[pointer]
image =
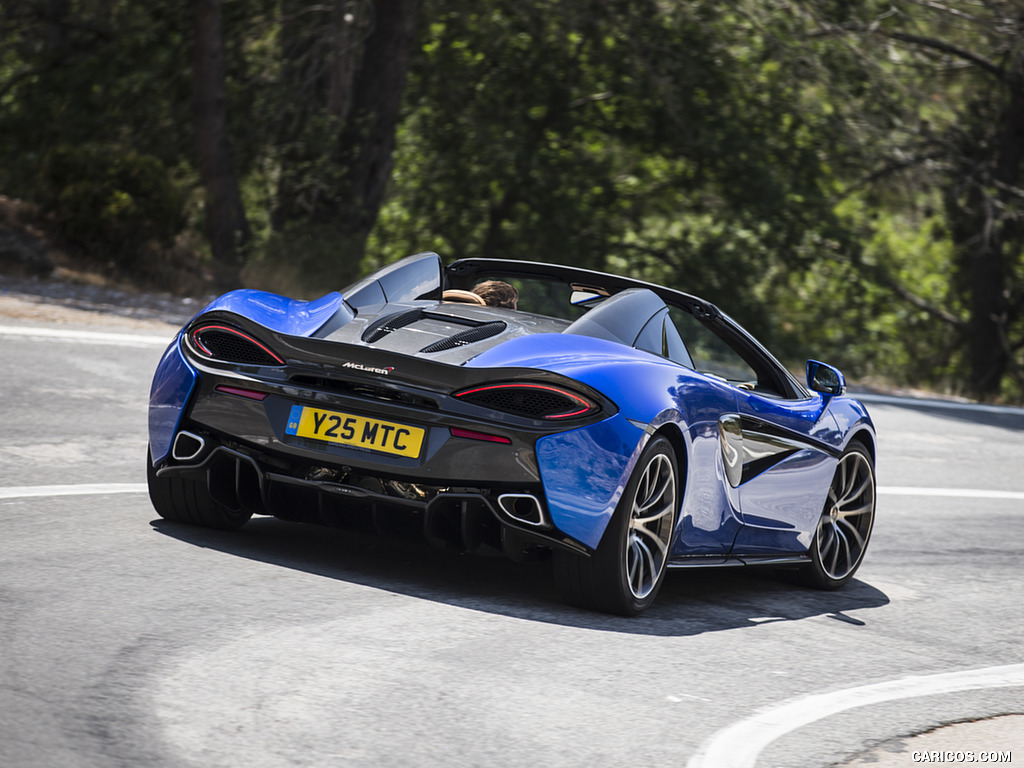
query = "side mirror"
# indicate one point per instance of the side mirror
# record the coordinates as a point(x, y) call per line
point(825, 379)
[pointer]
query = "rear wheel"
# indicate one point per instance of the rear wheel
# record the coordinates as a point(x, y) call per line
point(625, 573)
point(184, 500)
point(845, 524)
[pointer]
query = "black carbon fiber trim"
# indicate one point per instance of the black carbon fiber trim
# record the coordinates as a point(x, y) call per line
point(385, 325)
point(468, 336)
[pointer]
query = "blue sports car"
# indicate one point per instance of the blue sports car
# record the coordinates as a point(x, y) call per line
point(618, 427)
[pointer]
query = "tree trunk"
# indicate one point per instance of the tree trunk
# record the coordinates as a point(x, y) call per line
point(226, 222)
point(367, 141)
point(990, 354)
point(337, 142)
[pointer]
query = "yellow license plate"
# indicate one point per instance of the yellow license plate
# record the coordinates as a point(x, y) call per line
point(357, 431)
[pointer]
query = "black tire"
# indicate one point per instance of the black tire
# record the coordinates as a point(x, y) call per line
point(844, 527)
point(183, 500)
point(626, 571)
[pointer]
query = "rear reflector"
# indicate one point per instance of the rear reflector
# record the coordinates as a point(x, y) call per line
point(469, 434)
point(252, 395)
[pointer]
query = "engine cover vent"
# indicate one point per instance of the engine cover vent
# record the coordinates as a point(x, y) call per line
point(468, 336)
point(382, 327)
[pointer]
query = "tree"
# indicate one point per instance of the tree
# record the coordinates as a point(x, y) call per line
point(343, 70)
point(959, 125)
point(92, 115)
point(226, 221)
point(658, 139)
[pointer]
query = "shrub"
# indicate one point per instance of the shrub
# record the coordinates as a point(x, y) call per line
point(110, 201)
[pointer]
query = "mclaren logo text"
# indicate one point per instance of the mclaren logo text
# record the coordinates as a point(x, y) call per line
point(369, 368)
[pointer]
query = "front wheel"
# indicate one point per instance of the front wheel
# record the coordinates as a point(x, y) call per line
point(845, 524)
point(625, 573)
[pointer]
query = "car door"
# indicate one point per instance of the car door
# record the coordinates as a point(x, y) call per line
point(773, 444)
point(787, 476)
point(710, 513)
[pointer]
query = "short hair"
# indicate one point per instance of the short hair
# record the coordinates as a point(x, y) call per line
point(497, 293)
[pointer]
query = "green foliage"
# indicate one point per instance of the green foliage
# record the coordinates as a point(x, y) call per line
point(112, 72)
point(856, 324)
point(824, 170)
point(672, 142)
point(109, 201)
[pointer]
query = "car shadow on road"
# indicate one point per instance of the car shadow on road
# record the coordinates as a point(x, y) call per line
point(691, 602)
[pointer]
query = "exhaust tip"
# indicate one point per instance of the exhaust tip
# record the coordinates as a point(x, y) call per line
point(524, 507)
point(187, 446)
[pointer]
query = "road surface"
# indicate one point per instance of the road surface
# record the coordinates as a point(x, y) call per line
point(129, 641)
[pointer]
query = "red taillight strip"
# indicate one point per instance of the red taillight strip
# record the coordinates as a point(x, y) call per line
point(469, 434)
point(587, 406)
point(568, 415)
point(228, 329)
point(198, 343)
point(249, 393)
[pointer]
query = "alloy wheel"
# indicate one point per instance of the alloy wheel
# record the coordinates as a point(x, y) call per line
point(845, 525)
point(650, 526)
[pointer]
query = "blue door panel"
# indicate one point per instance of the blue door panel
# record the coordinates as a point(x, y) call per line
point(710, 513)
point(781, 506)
point(796, 443)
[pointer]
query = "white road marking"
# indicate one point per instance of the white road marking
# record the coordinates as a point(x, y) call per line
point(675, 698)
point(740, 744)
point(85, 489)
point(87, 337)
point(967, 493)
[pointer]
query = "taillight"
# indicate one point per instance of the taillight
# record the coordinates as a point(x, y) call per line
point(230, 345)
point(536, 401)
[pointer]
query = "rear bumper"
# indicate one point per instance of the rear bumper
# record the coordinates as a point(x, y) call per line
point(251, 458)
point(481, 520)
point(444, 459)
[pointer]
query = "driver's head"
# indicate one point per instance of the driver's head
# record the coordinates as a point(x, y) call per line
point(496, 293)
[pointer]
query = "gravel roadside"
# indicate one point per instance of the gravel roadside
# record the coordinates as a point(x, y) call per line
point(68, 303)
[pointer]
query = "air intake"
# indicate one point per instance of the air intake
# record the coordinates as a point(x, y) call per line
point(535, 401)
point(229, 345)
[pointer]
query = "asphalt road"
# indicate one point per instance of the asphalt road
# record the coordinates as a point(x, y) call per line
point(128, 641)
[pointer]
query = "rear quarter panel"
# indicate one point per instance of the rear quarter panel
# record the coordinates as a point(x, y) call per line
point(279, 313)
point(172, 385)
point(585, 470)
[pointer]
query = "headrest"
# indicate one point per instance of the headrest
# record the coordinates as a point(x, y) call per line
point(458, 296)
